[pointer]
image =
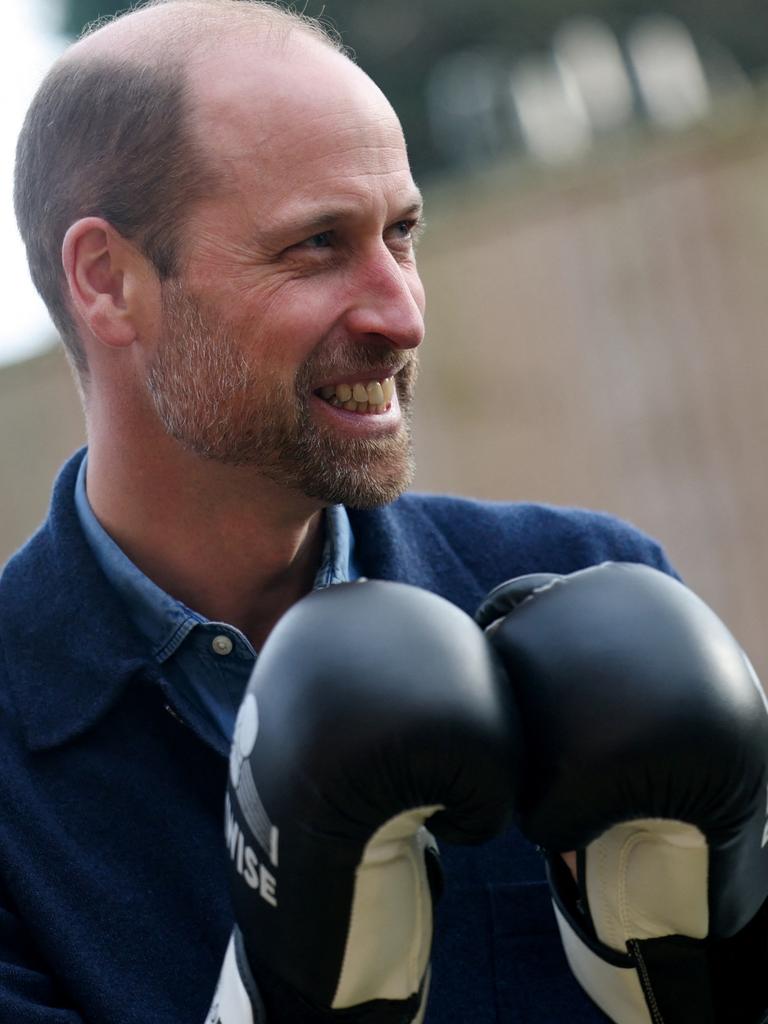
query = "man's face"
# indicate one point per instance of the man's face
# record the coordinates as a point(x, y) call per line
point(289, 339)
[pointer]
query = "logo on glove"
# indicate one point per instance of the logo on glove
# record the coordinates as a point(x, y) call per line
point(246, 731)
point(245, 799)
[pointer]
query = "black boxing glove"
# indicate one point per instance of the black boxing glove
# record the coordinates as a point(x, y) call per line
point(647, 738)
point(374, 708)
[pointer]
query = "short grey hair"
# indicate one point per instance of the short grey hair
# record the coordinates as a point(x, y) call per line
point(108, 134)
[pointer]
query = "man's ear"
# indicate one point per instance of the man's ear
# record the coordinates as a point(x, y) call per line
point(104, 272)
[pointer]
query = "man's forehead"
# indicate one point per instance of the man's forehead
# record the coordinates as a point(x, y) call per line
point(303, 118)
point(279, 88)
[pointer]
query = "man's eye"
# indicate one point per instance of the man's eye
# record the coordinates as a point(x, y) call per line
point(319, 241)
point(405, 230)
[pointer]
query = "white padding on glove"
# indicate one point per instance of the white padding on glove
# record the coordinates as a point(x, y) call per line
point(390, 934)
point(231, 1004)
point(645, 879)
point(616, 990)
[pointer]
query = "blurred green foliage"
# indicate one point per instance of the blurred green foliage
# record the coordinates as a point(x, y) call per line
point(398, 42)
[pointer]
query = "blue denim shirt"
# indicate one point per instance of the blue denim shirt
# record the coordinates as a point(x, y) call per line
point(207, 663)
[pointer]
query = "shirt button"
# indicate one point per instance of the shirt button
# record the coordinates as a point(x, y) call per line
point(221, 644)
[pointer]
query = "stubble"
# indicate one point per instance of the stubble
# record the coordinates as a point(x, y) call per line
point(216, 403)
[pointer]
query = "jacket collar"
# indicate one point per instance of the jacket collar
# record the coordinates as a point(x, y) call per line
point(70, 649)
point(404, 541)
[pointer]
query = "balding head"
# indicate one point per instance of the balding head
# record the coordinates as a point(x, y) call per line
point(182, 29)
point(109, 133)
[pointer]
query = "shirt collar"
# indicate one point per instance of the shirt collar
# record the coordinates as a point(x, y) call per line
point(165, 621)
point(337, 564)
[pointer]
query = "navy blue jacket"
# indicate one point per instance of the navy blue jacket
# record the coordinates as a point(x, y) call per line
point(113, 893)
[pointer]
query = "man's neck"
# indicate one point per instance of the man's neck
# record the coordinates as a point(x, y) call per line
point(228, 543)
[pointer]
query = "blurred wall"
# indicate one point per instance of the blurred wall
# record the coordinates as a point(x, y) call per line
point(600, 341)
point(594, 338)
point(40, 424)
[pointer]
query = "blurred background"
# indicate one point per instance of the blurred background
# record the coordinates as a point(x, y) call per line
point(596, 177)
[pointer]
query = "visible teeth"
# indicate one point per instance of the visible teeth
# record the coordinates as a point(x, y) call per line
point(360, 396)
point(375, 393)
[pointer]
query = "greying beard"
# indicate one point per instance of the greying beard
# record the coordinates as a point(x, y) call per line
point(213, 402)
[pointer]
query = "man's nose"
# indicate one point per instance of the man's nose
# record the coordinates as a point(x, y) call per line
point(387, 301)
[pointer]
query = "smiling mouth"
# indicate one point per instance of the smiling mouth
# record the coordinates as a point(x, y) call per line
point(371, 396)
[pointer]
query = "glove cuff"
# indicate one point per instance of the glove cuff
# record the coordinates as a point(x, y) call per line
point(237, 1000)
point(672, 978)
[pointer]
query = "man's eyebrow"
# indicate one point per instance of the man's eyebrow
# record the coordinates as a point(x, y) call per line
point(414, 209)
point(306, 225)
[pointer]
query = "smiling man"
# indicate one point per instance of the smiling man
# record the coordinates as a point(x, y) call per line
point(271, 362)
point(219, 213)
point(305, 250)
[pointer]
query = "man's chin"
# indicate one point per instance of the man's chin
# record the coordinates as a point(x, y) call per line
point(362, 479)
point(361, 491)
